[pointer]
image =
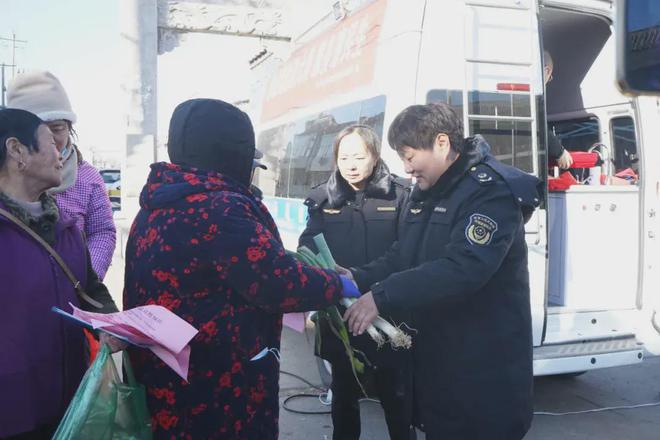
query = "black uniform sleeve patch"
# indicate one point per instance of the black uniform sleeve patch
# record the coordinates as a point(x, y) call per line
point(480, 229)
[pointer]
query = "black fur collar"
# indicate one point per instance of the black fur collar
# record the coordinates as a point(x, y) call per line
point(379, 186)
point(474, 151)
point(44, 225)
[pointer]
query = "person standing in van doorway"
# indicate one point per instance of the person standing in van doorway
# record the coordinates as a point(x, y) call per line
point(556, 150)
point(460, 268)
point(357, 210)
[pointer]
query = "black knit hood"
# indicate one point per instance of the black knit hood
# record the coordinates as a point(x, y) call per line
point(212, 135)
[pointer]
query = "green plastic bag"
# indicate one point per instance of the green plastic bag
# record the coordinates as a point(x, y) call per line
point(104, 407)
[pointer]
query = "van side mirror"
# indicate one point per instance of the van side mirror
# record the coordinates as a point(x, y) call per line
point(638, 46)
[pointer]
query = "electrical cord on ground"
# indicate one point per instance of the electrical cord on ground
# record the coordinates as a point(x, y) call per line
point(595, 410)
point(322, 396)
point(324, 392)
point(302, 379)
point(300, 411)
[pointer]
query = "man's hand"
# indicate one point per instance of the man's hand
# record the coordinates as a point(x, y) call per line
point(361, 314)
point(565, 160)
point(345, 272)
point(114, 343)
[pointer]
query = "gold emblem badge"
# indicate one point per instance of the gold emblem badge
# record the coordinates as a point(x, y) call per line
point(415, 210)
point(331, 211)
point(480, 230)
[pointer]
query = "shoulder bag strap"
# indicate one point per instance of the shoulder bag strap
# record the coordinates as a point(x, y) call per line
point(56, 257)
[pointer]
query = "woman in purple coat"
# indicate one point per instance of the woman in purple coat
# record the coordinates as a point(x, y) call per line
point(42, 357)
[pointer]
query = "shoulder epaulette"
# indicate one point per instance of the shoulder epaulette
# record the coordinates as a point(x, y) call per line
point(483, 174)
point(317, 196)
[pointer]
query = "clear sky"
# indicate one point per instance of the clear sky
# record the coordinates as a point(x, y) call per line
point(78, 41)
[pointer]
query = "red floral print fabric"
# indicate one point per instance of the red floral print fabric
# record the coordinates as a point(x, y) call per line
point(204, 247)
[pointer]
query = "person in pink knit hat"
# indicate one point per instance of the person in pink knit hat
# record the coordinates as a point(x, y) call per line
point(82, 194)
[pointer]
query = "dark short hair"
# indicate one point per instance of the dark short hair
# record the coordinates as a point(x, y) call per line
point(21, 125)
point(418, 126)
point(368, 135)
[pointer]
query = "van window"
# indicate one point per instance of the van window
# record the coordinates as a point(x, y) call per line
point(499, 104)
point(299, 154)
point(510, 140)
point(624, 143)
point(577, 134)
point(452, 97)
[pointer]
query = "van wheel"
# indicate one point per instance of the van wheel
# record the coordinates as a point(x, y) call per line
point(325, 371)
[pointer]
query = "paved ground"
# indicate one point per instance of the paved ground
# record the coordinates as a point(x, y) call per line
point(596, 389)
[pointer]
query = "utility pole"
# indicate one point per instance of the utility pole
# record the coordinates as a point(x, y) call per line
point(139, 46)
point(3, 89)
point(13, 51)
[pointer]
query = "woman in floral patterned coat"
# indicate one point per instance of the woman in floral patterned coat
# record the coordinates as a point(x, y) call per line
point(206, 248)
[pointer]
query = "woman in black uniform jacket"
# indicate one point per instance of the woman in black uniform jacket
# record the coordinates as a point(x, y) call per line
point(357, 210)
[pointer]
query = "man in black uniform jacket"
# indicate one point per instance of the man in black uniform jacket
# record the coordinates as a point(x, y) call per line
point(460, 269)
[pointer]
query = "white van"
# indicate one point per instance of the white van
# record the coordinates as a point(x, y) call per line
point(594, 254)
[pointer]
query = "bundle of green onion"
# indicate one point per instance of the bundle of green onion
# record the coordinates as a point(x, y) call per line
point(381, 331)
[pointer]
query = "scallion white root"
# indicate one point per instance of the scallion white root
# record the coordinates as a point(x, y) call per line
point(377, 336)
point(397, 337)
